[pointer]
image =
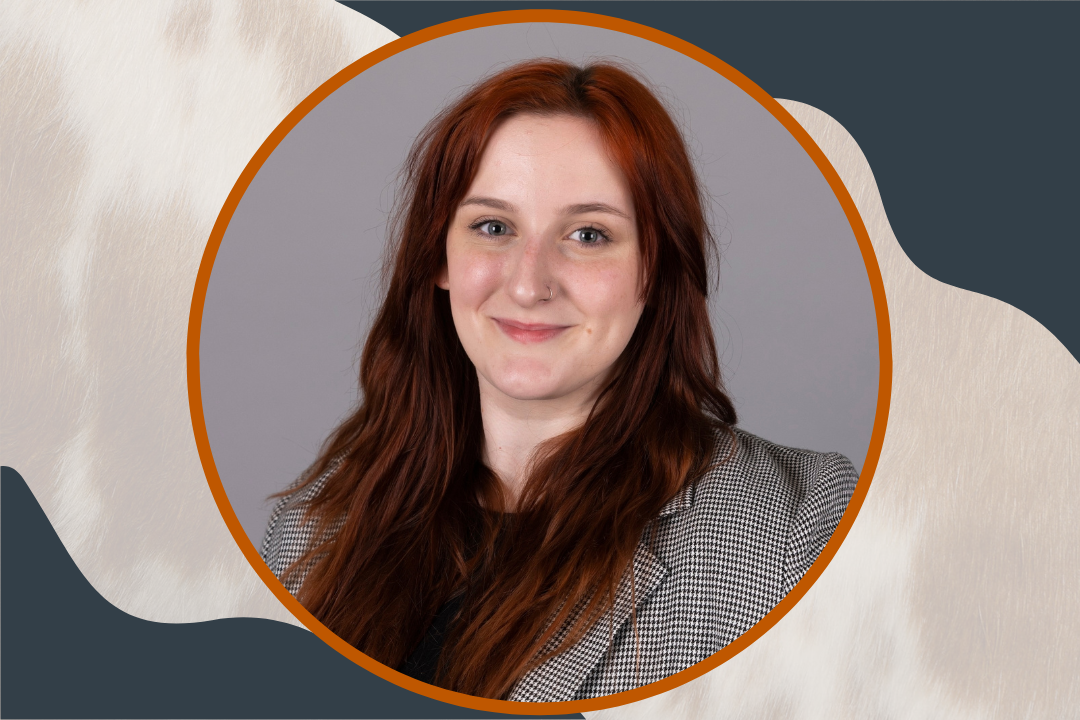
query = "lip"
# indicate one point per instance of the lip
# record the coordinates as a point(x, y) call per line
point(528, 333)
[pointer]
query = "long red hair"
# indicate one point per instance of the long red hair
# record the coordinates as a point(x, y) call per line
point(399, 508)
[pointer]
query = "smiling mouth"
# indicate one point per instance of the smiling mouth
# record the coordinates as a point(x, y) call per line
point(528, 332)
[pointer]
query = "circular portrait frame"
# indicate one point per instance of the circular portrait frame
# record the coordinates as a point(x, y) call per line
point(507, 18)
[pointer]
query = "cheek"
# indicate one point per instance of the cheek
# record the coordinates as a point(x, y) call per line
point(609, 297)
point(473, 277)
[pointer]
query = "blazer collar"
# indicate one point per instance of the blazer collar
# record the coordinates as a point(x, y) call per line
point(559, 678)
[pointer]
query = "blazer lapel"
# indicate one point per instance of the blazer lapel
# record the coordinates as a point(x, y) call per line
point(560, 677)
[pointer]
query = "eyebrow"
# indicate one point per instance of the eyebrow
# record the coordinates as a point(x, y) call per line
point(576, 209)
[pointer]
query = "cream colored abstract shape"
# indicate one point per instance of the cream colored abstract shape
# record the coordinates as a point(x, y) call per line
point(956, 593)
point(125, 126)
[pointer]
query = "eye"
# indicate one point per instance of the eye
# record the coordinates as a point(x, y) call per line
point(589, 236)
point(495, 228)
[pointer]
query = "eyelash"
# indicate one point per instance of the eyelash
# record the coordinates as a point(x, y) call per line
point(604, 237)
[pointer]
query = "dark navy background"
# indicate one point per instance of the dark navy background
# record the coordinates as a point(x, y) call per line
point(966, 113)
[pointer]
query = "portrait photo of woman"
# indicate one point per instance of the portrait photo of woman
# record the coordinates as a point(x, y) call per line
point(542, 490)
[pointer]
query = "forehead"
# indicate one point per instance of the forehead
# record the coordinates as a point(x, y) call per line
point(560, 157)
point(543, 134)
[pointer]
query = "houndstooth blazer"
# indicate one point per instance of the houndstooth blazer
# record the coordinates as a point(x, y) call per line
point(718, 557)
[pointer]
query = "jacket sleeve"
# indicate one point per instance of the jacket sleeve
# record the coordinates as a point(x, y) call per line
point(271, 544)
point(289, 533)
point(817, 515)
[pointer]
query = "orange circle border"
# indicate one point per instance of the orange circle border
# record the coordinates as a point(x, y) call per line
point(509, 17)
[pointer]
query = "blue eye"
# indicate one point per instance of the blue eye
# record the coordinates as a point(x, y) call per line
point(494, 227)
point(589, 236)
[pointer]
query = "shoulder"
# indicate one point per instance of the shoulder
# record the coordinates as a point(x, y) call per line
point(290, 531)
point(761, 469)
point(816, 487)
point(748, 529)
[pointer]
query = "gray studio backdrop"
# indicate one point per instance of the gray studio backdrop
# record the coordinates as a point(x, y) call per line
point(296, 281)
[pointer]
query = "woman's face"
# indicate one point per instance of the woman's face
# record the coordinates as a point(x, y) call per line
point(543, 261)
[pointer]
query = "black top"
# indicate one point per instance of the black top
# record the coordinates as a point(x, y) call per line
point(424, 660)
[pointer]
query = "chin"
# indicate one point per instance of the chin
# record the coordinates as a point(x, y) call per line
point(529, 389)
point(529, 380)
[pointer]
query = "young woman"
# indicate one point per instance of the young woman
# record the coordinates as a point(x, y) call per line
point(543, 495)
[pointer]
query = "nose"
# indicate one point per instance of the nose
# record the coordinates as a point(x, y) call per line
point(530, 279)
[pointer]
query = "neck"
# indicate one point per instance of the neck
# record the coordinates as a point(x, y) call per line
point(514, 428)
